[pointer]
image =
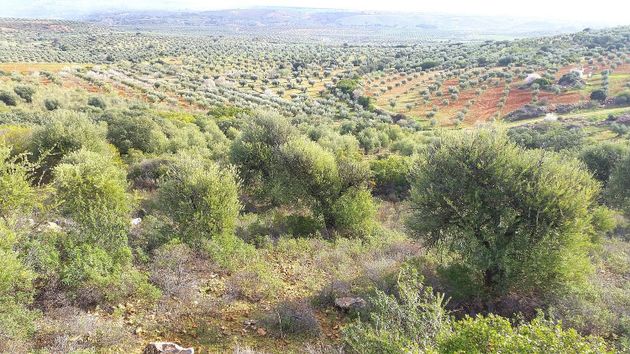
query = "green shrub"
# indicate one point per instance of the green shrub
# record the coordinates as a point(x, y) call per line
point(495, 334)
point(96, 278)
point(618, 191)
point(622, 98)
point(521, 219)
point(599, 95)
point(16, 291)
point(550, 136)
point(25, 92)
point(135, 132)
point(92, 190)
point(97, 102)
point(415, 321)
point(200, 199)
point(52, 104)
point(354, 212)
point(391, 175)
point(408, 323)
point(62, 134)
point(309, 173)
point(601, 159)
point(256, 150)
point(18, 198)
point(8, 98)
point(303, 225)
point(146, 174)
point(347, 86)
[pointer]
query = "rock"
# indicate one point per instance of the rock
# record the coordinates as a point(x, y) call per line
point(166, 348)
point(249, 323)
point(526, 112)
point(350, 303)
point(53, 226)
point(136, 221)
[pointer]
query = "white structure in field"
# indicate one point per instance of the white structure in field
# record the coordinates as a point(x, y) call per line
point(531, 78)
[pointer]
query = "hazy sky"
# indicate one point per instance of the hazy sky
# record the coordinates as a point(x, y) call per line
point(595, 11)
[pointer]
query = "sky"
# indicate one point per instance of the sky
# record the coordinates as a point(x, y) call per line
point(606, 12)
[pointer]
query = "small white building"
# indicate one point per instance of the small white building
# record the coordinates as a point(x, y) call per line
point(531, 78)
point(579, 71)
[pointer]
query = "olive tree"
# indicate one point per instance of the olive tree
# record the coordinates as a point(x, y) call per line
point(200, 199)
point(92, 191)
point(618, 191)
point(601, 159)
point(256, 150)
point(18, 199)
point(63, 133)
point(516, 218)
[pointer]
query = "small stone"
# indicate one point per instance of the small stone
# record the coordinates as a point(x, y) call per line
point(166, 348)
point(350, 303)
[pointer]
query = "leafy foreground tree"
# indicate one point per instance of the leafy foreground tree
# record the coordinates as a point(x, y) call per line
point(63, 133)
point(286, 168)
point(198, 203)
point(18, 199)
point(517, 219)
point(415, 321)
point(95, 257)
point(601, 159)
point(200, 199)
point(618, 191)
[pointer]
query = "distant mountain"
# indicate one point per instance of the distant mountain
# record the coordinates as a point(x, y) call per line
point(280, 19)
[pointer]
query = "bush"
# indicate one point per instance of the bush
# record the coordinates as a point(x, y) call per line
point(303, 225)
point(18, 198)
point(602, 158)
point(416, 321)
point(52, 104)
point(200, 199)
point(25, 92)
point(494, 334)
point(347, 86)
point(622, 99)
point(96, 278)
point(354, 212)
point(8, 98)
point(255, 151)
point(571, 79)
point(309, 173)
point(146, 174)
point(16, 292)
point(18, 201)
point(136, 132)
point(293, 318)
point(599, 95)
point(64, 133)
point(618, 191)
point(92, 189)
point(96, 260)
point(509, 213)
point(408, 323)
point(97, 102)
point(391, 175)
point(550, 136)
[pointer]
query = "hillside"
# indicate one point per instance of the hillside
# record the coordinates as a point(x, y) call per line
point(281, 180)
point(372, 25)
